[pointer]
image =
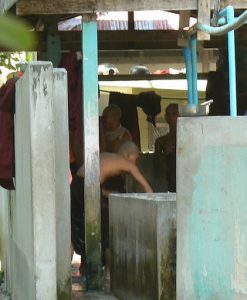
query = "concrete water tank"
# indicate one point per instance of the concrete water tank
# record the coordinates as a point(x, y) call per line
point(143, 246)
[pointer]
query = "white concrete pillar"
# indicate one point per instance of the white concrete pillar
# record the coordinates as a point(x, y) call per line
point(5, 234)
point(63, 238)
point(34, 210)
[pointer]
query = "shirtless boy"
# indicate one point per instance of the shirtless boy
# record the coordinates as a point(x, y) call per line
point(124, 161)
point(111, 164)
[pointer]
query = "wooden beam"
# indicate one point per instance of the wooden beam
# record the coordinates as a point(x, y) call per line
point(184, 21)
point(237, 4)
point(127, 77)
point(216, 9)
point(47, 7)
point(38, 7)
point(6, 5)
point(131, 20)
point(134, 40)
point(204, 18)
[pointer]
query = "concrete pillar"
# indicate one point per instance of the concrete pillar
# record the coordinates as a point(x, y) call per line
point(34, 209)
point(143, 246)
point(91, 152)
point(211, 208)
point(5, 235)
point(61, 135)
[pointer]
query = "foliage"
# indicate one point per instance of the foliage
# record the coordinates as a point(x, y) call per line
point(8, 60)
point(15, 34)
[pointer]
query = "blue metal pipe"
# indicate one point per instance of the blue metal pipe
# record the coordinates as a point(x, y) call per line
point(237, 22)
point(221, 21)
point(188, 60)
point(232, 23)
point(229, 13)
point(193, 46)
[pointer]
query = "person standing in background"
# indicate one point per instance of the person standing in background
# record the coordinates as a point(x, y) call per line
point(166, 145)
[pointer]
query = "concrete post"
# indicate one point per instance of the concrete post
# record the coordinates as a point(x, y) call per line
point(34, 210)
point(61, 136)
point(5, 235)
point(211, 208)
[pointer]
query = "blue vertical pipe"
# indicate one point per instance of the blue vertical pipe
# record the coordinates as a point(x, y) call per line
point(229, 12)
point(187, 58)
point(193, 46)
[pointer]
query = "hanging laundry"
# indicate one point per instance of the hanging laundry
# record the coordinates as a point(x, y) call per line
point(7, 108)
point(73, 66)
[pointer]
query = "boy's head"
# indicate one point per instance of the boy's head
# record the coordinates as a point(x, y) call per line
point(130, 151)
point(112, 116)
point(171, 115)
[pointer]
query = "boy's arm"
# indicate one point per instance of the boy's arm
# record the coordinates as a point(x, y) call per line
point(134, 171)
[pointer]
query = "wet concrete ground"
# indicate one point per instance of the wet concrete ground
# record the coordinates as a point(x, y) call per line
point(78, 286)
point(93, 296)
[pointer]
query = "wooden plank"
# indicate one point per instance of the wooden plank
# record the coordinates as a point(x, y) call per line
point(237, 4)
point(216, 9)
point(128, 77)
point(71, 40)
point(37, 7)
point(131, 20)
point(41, 7)
point(184, 21)
point(91, 153)
point(204, 18)
point(138, 40)
point(6, 5)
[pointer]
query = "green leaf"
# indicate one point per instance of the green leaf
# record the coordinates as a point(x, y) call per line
point(15, 34)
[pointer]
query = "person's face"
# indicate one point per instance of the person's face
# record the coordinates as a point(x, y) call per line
point(171, 116)
point(111, 121)
point(133, 157)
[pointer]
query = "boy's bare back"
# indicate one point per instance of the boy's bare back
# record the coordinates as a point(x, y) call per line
point(112, 164)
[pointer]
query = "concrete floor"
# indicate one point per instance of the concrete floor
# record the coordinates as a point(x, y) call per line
point(93, 296)
point(78, 287)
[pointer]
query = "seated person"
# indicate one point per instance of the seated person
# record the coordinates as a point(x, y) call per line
point(167, 145)
point(114, 133)
point(111, 164)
